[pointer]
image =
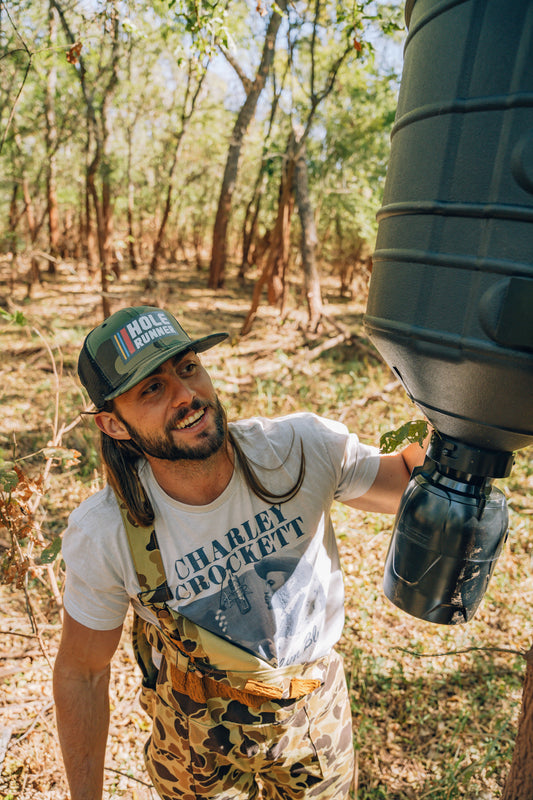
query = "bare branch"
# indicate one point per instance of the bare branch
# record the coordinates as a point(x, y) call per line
point(520, 653)
point(245, 80)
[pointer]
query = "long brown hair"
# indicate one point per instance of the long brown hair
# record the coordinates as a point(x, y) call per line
point(121, 458)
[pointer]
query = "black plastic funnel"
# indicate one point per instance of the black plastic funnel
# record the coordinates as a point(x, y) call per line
point(449, 531)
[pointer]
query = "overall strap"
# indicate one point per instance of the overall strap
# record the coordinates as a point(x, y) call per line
point(176, 632)
point(144, 548)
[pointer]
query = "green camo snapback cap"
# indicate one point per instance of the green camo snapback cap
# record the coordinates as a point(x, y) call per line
point(128, 346)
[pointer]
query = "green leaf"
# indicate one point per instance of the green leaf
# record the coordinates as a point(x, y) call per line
point(415, 431)
point(8, 479)
point(18, 317)
point(50, 553)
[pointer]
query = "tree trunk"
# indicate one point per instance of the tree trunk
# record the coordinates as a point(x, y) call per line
point(164, 218)
point(107, 218)
point(98, 130)
point(51, 146)
point(100, 231)
point(89, 239)
point(131, 235)
point(130, 210)
point(107, 206)
point(13, 219)
point(519, 783)
point(131, 205)
point(12, 238)
point(34, 273)
point(92, 172)
point(249, 227)
point(220, 231)
point(309, 240)
point(273, 274)
point(189, 104)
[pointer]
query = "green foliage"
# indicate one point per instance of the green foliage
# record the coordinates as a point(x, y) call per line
point(50, 553)
point(8, 477)
point(411, 432)
point(206, 22)
point(152, 55)
point(14, 317)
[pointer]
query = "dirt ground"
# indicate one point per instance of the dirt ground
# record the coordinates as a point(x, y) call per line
point(435, 710)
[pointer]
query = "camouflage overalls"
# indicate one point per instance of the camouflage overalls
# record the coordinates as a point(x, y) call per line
point(281, 734)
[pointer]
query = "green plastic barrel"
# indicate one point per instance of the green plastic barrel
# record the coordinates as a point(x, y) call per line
point(451, 295)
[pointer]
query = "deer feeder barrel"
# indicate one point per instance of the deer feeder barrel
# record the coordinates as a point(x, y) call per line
point(450, 303)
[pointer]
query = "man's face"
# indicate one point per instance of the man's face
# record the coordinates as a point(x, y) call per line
point(274, 580)
point(174, 414)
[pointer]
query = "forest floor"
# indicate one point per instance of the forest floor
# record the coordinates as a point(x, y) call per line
point(435, 708)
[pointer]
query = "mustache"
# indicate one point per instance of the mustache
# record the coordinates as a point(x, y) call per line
point(181, 413)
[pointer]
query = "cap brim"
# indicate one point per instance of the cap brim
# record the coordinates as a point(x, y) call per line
point(167, 351)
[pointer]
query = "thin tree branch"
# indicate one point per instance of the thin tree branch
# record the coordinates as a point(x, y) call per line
point(245, 80)
point(521, 653)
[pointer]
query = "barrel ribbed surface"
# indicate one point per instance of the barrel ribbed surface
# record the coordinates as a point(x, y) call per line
point(451, 296)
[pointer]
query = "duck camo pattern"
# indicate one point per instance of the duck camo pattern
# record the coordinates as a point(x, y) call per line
point(283, 750)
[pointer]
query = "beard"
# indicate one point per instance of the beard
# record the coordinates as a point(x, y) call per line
point(164, 446)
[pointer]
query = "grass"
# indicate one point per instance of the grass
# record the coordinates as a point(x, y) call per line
point(435, 708)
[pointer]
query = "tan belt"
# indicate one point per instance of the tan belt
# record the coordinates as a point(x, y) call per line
point(201, 687)
point(191, 678)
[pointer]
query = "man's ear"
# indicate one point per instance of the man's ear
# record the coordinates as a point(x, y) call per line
point(111, 425)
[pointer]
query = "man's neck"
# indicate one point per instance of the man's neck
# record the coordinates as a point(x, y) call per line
point(195, 482)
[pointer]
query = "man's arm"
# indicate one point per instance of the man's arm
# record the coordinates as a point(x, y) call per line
point(81, 681)
point(391, 481)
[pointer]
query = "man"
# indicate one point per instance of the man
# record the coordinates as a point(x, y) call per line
point(192, 509)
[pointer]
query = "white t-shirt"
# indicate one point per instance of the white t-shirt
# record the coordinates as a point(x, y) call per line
point(265, 576)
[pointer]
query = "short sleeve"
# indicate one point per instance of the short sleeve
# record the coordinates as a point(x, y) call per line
point(95, 593)
point(355, 465)
point(359, 469)
point(336, 456)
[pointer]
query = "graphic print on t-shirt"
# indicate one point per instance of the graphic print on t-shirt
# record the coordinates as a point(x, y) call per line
point(254, 585)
